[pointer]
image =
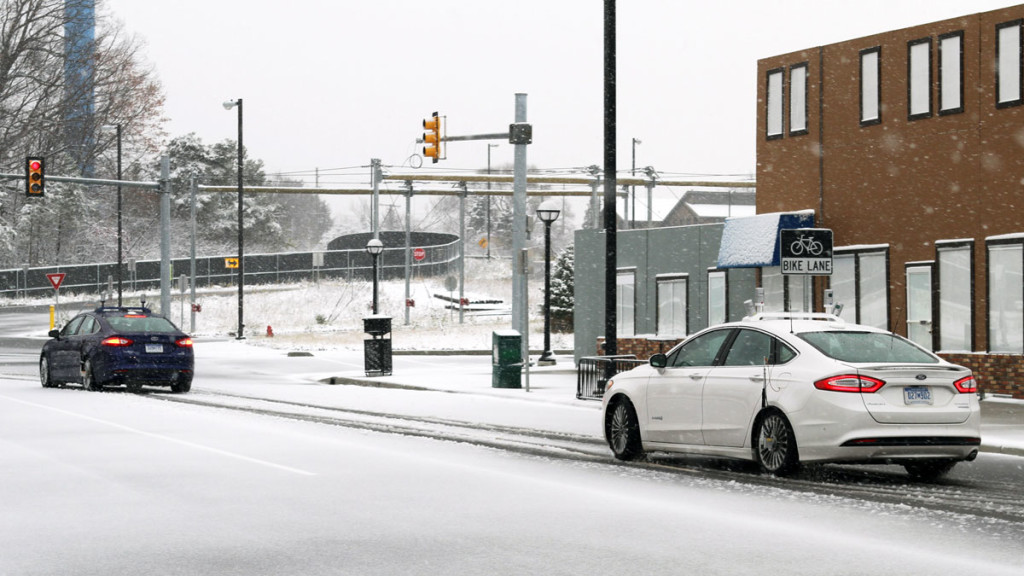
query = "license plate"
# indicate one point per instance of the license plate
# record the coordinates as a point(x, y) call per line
point(917, 395)
point(154, 348)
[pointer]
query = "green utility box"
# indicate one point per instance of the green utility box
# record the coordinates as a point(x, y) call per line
point(506, 359)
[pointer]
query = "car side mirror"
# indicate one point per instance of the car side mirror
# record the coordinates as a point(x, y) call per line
point(659, 361)
point(54, 333)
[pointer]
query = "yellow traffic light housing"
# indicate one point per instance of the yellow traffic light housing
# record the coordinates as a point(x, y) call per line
point(432, 137)
point(35, 176)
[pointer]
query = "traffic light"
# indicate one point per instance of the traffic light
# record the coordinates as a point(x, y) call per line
point(35, 176)
point(432, 137)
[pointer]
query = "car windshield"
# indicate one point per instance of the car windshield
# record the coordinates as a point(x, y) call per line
point(867, 347)
point(135, 323)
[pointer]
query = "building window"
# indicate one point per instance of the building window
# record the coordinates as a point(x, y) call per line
point(774, 286)
point(625, 302)
point(956, 298)
point(798, 99)
point(776, 97)
point(919, 303)
point(718, 298)
point(951, 73)
point(1008, 64)
point(870, 87)
point(919, 79)
point(860, 283)
point(1006, 296)
point(672, 304)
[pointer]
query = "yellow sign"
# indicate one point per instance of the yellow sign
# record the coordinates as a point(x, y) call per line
point(482, 242)
point(231, 262)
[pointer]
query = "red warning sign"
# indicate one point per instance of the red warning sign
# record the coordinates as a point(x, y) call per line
point(55, 279)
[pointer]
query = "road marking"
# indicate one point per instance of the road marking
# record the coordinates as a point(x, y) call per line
point(165, 438)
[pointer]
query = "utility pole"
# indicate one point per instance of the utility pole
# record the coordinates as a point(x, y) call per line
point(408, 247)
point(375, 179)
point(519, 227)
point(610, 272)
point(165, 236)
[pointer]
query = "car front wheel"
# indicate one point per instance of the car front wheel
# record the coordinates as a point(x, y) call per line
point(183, 385)
point(44, 373)
point(623, 432)
point(776, 450)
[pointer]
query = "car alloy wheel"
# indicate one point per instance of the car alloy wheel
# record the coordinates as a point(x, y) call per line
point(623, 433)
point(776, 446)
point(44, 373)
point(88, 378)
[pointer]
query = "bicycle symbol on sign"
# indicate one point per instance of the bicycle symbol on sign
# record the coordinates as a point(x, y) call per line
point(808, 244)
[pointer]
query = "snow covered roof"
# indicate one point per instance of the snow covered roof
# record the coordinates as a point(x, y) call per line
point(753, 241)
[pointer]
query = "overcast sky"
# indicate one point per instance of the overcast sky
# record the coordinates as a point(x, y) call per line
point(332, 83)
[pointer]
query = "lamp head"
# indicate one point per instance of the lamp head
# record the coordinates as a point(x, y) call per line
point(229, 104)
point(374, 246)
point(548, 211)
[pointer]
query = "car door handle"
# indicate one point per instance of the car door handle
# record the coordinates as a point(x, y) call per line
point(696, 376)
point(757, 378)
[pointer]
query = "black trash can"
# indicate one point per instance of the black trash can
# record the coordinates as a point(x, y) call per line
point(377, 350)
point(506, 359)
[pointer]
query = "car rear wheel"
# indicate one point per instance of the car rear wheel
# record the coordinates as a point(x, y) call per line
point(134, 387)
point(89, 379)
point(929, 469)
point(622, 431)
point(44, 373)
point(184, 384)
point(776, 449)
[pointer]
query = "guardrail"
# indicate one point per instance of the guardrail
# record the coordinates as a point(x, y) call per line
point(211, 271)
point(593, 372)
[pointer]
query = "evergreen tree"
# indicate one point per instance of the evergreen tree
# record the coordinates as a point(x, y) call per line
point(563, 298)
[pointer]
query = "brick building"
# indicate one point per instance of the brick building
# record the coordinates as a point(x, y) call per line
point(909, 145)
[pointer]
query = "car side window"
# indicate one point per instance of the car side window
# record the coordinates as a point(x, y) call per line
point(701, 351)
point(783, 352)
point(72, 327)
point(750, 348)
point(88, 326)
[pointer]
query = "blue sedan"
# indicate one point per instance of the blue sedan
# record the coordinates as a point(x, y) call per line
point(118, 346)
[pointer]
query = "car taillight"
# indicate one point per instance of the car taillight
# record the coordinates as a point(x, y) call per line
point(850, 383)
point(116, 341)
point(184, 343)
point(966, 385)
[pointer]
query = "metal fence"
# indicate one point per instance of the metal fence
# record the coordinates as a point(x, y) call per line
point(593, 373)
point(212, 271)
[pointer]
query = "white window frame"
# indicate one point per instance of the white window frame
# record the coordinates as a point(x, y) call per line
point(672, 294)
point(798, 99)
point(951, 73)
point(853, 270)
point(1009, 64)
point(775, 97)
point(1005, 315)
point(919, 79)
point(871, 86)
point(625, 302)
point(718, 297)
point(954, 262)
point(774, 285)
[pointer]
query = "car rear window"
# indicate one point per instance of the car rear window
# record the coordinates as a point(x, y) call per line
point(131, 323)
point(867, 347)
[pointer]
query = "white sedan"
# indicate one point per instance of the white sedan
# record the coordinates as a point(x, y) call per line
point(783, 389)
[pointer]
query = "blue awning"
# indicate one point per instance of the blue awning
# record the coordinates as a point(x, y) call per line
point(753, 241)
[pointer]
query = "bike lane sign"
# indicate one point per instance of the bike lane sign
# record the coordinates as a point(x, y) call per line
point(806, 251)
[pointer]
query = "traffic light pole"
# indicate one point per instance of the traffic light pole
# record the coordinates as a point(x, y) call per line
point(519, 294)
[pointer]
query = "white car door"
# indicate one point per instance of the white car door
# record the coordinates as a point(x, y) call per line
point(674, 392)
point(732, 390)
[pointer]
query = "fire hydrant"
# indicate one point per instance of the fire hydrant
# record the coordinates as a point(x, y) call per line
point(270, 332)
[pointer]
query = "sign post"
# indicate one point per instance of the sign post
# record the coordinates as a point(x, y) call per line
point(55, 278)
point(806, 252)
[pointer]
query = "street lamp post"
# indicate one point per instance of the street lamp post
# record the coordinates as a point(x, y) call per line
point(489, 146)
point(241, 246)
point(374, 247)
point(548, 212)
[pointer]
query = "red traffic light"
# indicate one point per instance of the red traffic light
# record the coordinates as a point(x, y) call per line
point(35, 179)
